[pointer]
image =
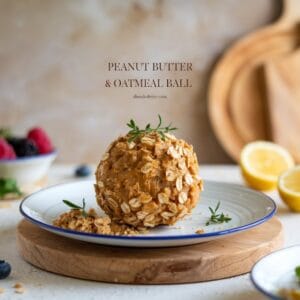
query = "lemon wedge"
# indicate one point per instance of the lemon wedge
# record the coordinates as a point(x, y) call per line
point(289, 188)
point(262, 163)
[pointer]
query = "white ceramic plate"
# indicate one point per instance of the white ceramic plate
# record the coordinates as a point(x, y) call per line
point(246, 207)
point(276, 271)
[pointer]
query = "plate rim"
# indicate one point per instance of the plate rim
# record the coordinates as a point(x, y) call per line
point(152, 238)
point(257, 285)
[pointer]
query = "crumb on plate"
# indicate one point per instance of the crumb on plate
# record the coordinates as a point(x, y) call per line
point(93, 223)
point(289, 294)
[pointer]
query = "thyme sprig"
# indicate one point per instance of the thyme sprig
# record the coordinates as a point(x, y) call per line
point(5, 133)
point(217, 218)
point(77, 207)
point(136, 132)
point(297, 273)
point(9, 186)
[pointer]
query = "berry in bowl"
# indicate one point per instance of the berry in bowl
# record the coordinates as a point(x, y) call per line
point(24, 161)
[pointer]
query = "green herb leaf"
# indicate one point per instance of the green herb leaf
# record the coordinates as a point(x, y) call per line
point(159, 122)
point(77, 207)
point(9, 186)
point(218, 206)
point(5, 133)
point(217, 218)
point(297, 272)
point(71, 204)
point(136, 132)
point(83, 212)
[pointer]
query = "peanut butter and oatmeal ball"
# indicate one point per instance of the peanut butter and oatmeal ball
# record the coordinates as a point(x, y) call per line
point(150, 181)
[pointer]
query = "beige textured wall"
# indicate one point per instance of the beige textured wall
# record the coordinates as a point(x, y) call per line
point(54, 55)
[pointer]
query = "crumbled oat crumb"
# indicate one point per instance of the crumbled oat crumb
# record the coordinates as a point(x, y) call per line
point(93, 223)
point(18, 285)
point(19, 288)
point(199, 231)
point(2, 290)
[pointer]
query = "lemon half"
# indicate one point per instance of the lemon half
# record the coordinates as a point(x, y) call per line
point(289, 188)
point(262, 163)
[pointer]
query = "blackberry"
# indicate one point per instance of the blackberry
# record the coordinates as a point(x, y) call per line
point(23, 146)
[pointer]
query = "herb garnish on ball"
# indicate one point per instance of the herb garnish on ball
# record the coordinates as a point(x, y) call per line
point(148, 177)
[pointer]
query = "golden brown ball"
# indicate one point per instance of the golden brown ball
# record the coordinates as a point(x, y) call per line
point(150, 181)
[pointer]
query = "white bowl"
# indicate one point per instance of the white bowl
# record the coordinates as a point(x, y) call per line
point(276, 271)
point(27, 170)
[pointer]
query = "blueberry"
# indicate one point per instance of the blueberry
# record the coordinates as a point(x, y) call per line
point(83, 171)
point(5, 269)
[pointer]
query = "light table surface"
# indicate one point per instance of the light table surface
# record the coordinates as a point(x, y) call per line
point(43, 285)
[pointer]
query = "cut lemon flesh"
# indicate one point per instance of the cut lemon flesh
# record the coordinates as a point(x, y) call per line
point(289, 188)
point(262, 163)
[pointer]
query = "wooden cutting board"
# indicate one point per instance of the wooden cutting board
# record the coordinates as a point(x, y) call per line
point(236, 91)
point(217, 259)
point(283, 96)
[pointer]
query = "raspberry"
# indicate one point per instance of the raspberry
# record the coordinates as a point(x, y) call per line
point(23, 146)
point(41, 139)
point(6, 150)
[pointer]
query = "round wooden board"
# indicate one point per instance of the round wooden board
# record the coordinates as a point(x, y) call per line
point(217, 259)
point(237, 108)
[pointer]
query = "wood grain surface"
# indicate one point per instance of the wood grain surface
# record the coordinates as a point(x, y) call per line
point(237, 103)
point(283, 95)
point(217, 259)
